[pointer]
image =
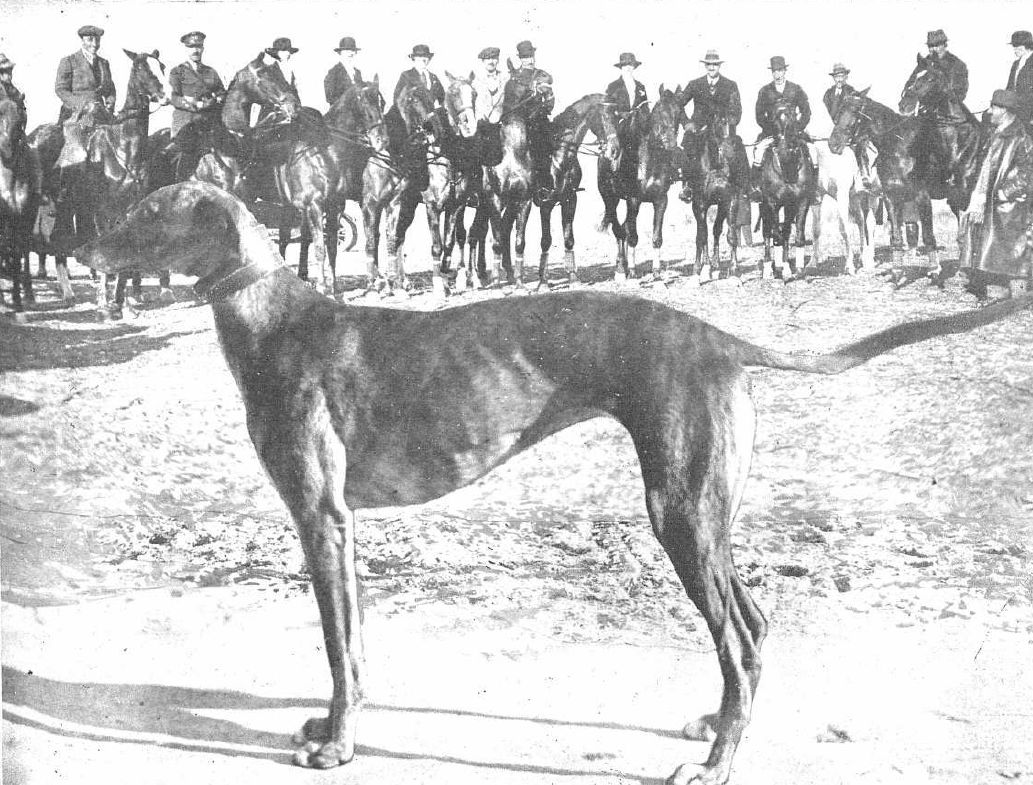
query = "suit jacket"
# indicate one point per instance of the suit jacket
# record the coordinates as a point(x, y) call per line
point(76, 84)
point(412, 77)
point(1021, 79)
point(189, 87)
point(705, 104)
point(957, 74)
point(337, 81)
point(832, 101)
point(769, 96)
point(526, 77)
point(487, 101)
point(617, 93)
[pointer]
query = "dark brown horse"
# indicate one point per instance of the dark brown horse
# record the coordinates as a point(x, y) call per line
point(647, 179)
point(282, 166)
point(109, 180)
point(788, 188)
point(590, 113)
point(47, 141)
point(718, 176)
point(20, 187)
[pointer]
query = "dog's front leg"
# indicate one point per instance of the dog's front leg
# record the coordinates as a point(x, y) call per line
point(307, 464)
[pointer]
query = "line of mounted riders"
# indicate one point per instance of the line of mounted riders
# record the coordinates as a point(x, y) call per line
point(486, 142)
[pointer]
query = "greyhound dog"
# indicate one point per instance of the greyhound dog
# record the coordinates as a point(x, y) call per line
point(354, 407)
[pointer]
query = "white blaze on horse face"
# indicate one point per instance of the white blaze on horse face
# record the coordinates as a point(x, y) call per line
point(467, 118)
point(156, 68)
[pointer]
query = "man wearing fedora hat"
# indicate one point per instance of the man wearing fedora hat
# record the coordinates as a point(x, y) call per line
point(1020, 77)
point(420, 75)
point(778, 89)
point(999, 254)
point(488, 86)
point(197, 96)
point(7, 88)
point(344, 74)
point(712, 96)
point(834, 96)
point(948, 62)
point(539, 128)
point(627, 95)
point(84, 76)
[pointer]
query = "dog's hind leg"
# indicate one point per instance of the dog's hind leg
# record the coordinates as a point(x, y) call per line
point(692, 494)
point(307, 464)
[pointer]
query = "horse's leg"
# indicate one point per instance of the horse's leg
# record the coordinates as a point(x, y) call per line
point(925, 213)
point(523, 213)
point(332, 220)
point(610, 200)
point(632, 205)
point(734, 232)
point(719, 225)
point(23, 267)
point(61, 263)
point(401, 213)
point(506, 223)
point(137, 281)
point(165, 294)
point(545, 213)
point(41, 265)
point(433, 211)
point(659, 211)
point(314, 223)
point(371, 210)
point(567, 209)
point(800, 264)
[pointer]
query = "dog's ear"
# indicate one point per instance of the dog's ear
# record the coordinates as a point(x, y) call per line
point(209, 217)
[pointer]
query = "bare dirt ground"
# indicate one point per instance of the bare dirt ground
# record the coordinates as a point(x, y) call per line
point(157, 623)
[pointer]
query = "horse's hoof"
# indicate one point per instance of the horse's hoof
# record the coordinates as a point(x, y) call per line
point(543, 286)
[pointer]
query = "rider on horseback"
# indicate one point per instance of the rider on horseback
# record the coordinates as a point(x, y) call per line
point(954, 69)
point(344, 75)
point(833, 100)
point(197, 95)
point(628, 97)
point(489, 88)
point(713, 96)
point(779, 89)
point(539, 127)
point(7, 88)
point(84, 76)
point(412, 150)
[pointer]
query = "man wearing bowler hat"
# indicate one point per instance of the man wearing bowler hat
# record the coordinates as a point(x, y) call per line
point(197, 96)
point(1020, 77)
point(84, 76)
point(539, 128)
point(627, 95)
point(344, 74)
point(999, 254)
point(778, 89)
point(950, 63)
point(420, 75)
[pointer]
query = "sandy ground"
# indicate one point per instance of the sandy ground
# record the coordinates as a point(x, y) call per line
point(157, 624)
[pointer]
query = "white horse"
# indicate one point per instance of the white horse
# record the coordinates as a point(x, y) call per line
point(839, 180)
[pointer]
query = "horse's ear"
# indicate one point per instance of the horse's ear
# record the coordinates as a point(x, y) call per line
point(864, 93)
point(376, 81)
point(450, 77)
point(509, 65)
point(920, 59)
point(473, 76)
point(660, 89)
point(155, 54)
point(130, 55)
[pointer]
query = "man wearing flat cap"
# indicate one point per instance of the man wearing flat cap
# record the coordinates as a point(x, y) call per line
point(1020, 77)
point(528, 77)
point(488, 87)
point(948, 62)
point(7, 88)
point(627, 95)
point(833, 98)
point(999, 254)
point(778, 89)
point(84, 76)
point(197, 96)
point(344, 75)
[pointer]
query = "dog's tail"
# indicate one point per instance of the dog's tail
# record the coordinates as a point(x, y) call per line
point(881, 342)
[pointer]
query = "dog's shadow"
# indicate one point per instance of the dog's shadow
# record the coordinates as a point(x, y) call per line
point(175, 718)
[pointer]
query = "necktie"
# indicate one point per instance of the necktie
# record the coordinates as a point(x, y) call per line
point(426, 79)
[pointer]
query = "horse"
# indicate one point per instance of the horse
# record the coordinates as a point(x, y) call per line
point(718, 176)
point(949, 149)
point(101, 169)
point(283, 161)
point(397, 183)
point(841, 180)
point(788, 185)
point(649, 181)
point(355, 123)
point(590, 113)
point(20, 188)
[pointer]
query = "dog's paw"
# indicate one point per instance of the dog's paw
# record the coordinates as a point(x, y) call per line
point(322, 756)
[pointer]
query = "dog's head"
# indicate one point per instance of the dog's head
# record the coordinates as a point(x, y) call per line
point(191, 228)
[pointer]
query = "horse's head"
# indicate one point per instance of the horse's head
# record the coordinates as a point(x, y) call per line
point(12, 128)
point(260, 83)
point(369, 104)
point(784, 117)
point(530, 90)
point(147, 77)
point(926, 89)
point(459, 96)
point(851, 121)
point(415, 104)
point(606, 132)
point(667, 114)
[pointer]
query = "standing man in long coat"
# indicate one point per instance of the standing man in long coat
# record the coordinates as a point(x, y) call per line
point(1000, 253)
point(84, 76)
point(1020, 77)
point(344, 75)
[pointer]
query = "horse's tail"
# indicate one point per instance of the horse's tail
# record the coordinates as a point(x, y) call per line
point(881, 342)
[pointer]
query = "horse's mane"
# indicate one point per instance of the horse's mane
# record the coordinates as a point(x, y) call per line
point(570, 116)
